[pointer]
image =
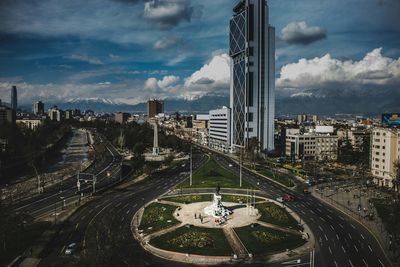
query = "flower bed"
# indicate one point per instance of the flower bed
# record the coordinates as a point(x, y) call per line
point(272, 213)
point(189, 199)
point(261, 240)
point(157, 216)
point(194, 240)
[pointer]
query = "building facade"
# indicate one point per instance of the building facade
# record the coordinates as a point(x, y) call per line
point(385, 152)
point(38, 108)
point(311, 146)
point(14, 98)
point(32, 124)
point(154, 107)
point(7, 115)
point(55, 114)
point(252, 52)
point(121, 117)
point(219, 132)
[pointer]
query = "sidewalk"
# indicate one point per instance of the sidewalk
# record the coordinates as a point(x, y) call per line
point(357, 205)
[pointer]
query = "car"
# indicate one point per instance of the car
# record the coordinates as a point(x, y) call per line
point(279, 199)
point(70, 249)
point(230, 165)
point(288, 198)
point(306, 191)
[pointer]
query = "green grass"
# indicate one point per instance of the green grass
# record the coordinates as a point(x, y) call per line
point(190, 198)
point(272, 213)
point(237, 198)
point(156, 216)
point(212, 174)
point(263, 241)
point(18, 241)
point(283, 179)
point(173, 241)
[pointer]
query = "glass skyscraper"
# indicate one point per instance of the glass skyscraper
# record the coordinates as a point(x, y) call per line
point(252, 98)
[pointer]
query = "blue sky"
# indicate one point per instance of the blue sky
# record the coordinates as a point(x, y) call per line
point(131, 50)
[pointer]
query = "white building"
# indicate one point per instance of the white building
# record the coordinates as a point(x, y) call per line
point(311, 145)
point(252, 92)
point(55, 114)
point(219, 136)
point(30, 123)
point(385, 152)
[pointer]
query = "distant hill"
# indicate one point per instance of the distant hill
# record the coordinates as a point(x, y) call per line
point(336, 102)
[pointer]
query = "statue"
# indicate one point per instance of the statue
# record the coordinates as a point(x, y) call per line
point(217, 209)
point(218, 189)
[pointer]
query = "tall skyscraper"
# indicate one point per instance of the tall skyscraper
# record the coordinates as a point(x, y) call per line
point(154, 107)
point(252, 98)
point(38, 108)
point(14, 98)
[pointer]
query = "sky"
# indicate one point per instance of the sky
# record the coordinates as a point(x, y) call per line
point(129, 51)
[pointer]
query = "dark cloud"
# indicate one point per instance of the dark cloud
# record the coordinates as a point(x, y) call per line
point(299, 32)
point(168, 13)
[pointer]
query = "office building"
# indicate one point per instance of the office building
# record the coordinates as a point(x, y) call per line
point(154, 107)
point(121, 117)
point(311, 145)
point(32, 124)
point(55, 114)
point(252, 50)
point(14, 98)
point(38, 108)
point(219, 132)
point(385, 153)
point(7, 115)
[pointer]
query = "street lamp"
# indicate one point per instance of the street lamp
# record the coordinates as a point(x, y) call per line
point(240, 163)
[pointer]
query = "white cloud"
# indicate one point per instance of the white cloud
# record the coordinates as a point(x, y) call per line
point(298, 32)
point(326, 72)
point(212, 77)
point(168, 13)
point(166, 84)
point(167, 42)
point(86, 58)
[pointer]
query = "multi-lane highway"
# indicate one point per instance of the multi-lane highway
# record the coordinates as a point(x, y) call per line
point(102, 227)
point(65, 193)
point(339, 241)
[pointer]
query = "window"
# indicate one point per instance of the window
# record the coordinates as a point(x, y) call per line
point(250, 116)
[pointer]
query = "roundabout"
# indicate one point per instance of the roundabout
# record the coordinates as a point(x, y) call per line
point(206, 229)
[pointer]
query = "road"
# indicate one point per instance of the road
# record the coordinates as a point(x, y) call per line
point(102, 227)
point(65, 193)
point(340, 241)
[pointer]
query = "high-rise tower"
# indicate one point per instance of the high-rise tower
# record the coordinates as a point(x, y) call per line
point(14, 98)
point(252, 98)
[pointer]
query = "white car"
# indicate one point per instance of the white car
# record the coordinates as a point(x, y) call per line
point(279, 199)
point(230, 165)
point(70, 249)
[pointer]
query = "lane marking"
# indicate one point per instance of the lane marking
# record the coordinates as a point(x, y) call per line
point(330, 251)
point(128, 211)
point(336, 264)
point(355, 247)
point(370, 248)
point(343, 249)
point(381, 263)
point(341, 225)
point(350, 236)
point(332, 227)
point(326, 238)
point(351, 263)
point(362, 236)
point(76, 226)
point(365, 263)
point(337, 237)
point(320, 228)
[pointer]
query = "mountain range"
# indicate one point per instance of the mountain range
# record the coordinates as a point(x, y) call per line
point(373, 102)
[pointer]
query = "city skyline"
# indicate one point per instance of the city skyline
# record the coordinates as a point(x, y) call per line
point(129, 51)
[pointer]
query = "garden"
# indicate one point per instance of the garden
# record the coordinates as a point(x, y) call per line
point(260, 240)
point(272, 213)
point(156, 217)
point(194, 240)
